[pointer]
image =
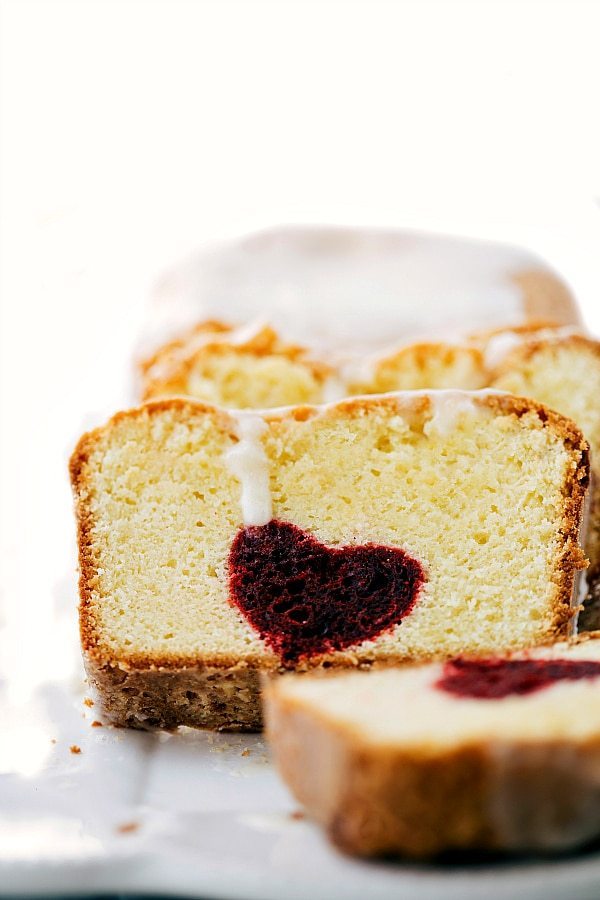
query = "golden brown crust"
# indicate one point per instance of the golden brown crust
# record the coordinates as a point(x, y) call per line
point(168, 370)
point(532, 345)
point(378, 800)
point(165, 351)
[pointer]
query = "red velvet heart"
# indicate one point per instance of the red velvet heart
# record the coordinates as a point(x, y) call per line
point(492, 679)
point(305, 598)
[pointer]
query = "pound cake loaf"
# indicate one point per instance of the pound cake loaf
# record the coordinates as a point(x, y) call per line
point(214, 545)
point(497, 754)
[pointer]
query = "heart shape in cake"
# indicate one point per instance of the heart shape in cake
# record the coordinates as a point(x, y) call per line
point(305, 598)
point(494, 679)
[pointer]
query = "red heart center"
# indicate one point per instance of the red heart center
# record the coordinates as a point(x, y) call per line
point(492, 679)
point(305, 598)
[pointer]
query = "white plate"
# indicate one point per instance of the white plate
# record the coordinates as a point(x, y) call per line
point(190, 814)
point(198, 814)
point(201, 815)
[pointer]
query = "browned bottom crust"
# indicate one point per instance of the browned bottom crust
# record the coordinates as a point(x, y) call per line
point(373, 801)
point(223, 699)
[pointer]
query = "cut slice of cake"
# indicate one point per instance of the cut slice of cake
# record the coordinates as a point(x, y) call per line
point(496, 754)
point(562, 369)
point(237, 368)
point(410, 526)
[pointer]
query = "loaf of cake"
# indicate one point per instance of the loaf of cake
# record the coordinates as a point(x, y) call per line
point(216, 545)
point(498, 754)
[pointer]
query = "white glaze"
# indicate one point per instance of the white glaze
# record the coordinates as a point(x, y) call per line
point(448, 408)
point(335, 388)
point(349, 291)
point(500, 345)
point(247, 460)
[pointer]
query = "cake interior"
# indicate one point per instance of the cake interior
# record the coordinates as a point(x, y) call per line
point(566, 376)
point(475, 496)
point(406, 707)
point(237, 368)
point(421, 366)
point(242, 380)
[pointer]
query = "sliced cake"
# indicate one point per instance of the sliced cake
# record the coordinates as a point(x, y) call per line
point(496, 754)
point(558, 366)
point(216, 545)
point(562, 369)
point(237, 368)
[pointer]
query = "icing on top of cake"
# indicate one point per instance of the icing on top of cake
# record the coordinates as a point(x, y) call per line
point(448, 408)
point(351, 290)
point(500, 345)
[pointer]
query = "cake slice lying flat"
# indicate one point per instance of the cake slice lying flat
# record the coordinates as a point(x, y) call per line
point(497, 754)
point(411, 526)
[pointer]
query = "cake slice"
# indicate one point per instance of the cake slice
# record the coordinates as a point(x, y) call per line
point(560, 367)
point(235, 367)
point(214, 546)
point(496, 754)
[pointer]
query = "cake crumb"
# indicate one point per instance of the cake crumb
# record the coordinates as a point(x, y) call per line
point(74, 748)
point(246, 751)
point(297, 815)
point(52, 740)
point(127, 827)
point(96, 724)
point(88, 701)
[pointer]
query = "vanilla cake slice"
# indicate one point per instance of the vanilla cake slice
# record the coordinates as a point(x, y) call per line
point(496, 754)
point(215, 546)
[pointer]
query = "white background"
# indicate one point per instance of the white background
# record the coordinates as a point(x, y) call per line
point(133, 131)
